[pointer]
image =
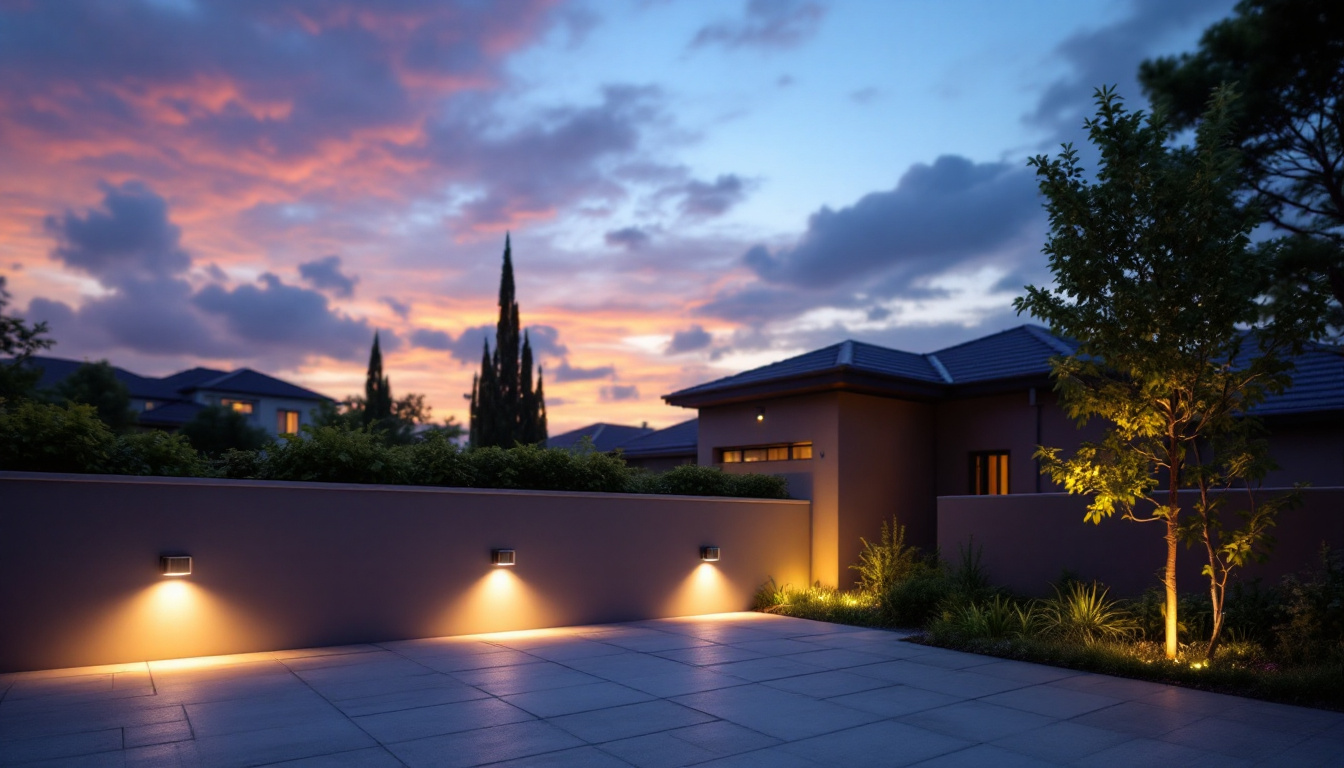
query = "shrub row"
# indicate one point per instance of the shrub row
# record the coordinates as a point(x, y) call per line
point(41, 437)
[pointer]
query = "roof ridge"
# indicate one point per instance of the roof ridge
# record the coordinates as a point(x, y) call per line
point(1048, 338)
point(845, 355)
point(938, 366)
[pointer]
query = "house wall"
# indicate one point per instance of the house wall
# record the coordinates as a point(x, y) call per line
point(788, 420)
point(1001, 422)
point(287, 565)
point(886, 469)
point(265, 412)
point(1308, 452)
point(1028, 541)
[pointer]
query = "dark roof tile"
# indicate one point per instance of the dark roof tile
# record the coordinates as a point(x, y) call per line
point(676, 439)
point(605, 437)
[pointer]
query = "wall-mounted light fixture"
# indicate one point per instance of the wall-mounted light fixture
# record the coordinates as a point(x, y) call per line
point(503, 557)
point(760, 414)
point(175, 565)
point(709, 554)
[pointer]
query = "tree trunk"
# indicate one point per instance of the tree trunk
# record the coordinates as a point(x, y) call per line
point(1173, 515)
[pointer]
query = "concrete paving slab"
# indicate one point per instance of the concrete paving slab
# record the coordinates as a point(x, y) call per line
point(744, 689)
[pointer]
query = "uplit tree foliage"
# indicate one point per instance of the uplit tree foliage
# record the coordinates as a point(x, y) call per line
point(1156, 281)
point(505, 409)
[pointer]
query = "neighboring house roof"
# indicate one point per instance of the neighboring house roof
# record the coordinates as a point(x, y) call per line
point(676, 440)
point(171, 394)
point(1017, 353)
point(57, 369)
point(191, 377)
point(1008, 359)
point(1318, 385)
point(605, 437)
point(246, 381)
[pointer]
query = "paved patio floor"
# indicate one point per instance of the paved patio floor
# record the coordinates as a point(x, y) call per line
point(729, 690)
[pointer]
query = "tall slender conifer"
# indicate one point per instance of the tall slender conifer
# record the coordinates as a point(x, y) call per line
point(505, 410)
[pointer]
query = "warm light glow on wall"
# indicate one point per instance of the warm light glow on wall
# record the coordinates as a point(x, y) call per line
point(499, 601)
point(171, 618)
point(704, 590)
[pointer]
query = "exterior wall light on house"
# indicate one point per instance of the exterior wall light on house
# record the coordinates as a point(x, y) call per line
point(709, 554)
point(503, 557)
point(175, 565)
point(760, 414)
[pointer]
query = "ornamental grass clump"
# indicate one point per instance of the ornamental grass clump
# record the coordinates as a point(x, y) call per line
point(1081, 613)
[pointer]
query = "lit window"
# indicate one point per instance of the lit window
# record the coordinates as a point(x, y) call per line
point(149, 405)
point(989, 473)
point(780, 452)
point(287, 422)
point(241, 406)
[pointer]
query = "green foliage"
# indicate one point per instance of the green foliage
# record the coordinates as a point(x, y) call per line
point(43, 437)
point(1155, 279)
point(236, 465)
point(1312, 630)
point(436, 460)
point(377, 389)
point(159, 454)
point(695, 480)
point(19, 341)
point(996, 619)
point(1081, 613)
point(817, 603)
point(333, 455)
point(917, 599)
point(889, 561)
point(216, 429)
point(97, 384)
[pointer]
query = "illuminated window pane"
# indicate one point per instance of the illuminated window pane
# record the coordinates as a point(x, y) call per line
point(732, 457)
point(287, 422)
point(989, 473)
point(802, 450)
point(754, 454)
point(241, 406)
point(778, 453)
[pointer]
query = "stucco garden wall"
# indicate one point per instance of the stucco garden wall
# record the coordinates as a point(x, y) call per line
point(287, 565)
point(1028, 541)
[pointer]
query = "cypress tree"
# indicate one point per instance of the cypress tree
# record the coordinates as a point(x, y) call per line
point(505, 411)
point(377, 389)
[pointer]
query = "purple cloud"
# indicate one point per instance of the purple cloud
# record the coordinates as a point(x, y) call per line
point(765, 24)
point(325, 274)
point(129, 237)
point(618, 392)
point(565, 372)
point(629, 238)
point(689, 340)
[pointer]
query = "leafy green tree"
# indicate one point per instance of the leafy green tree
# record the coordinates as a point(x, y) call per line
point(1155, 279)
point(505, 410)
point(97, 384)
point(19, 341)
point(1287, 59)
point(216, 429)
point(43, 437)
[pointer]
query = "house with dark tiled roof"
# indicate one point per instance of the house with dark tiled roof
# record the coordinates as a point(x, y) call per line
point(868, 432)
point(603, 436)
point(663, 449)
point(171, 401)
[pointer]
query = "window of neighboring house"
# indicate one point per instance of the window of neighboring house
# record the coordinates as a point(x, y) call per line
point(149, 405)
point(241, 406)
point(779, 452)
point(287, 422)
point(989, 473)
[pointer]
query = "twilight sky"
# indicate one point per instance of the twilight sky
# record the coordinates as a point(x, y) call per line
point(693, 187)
